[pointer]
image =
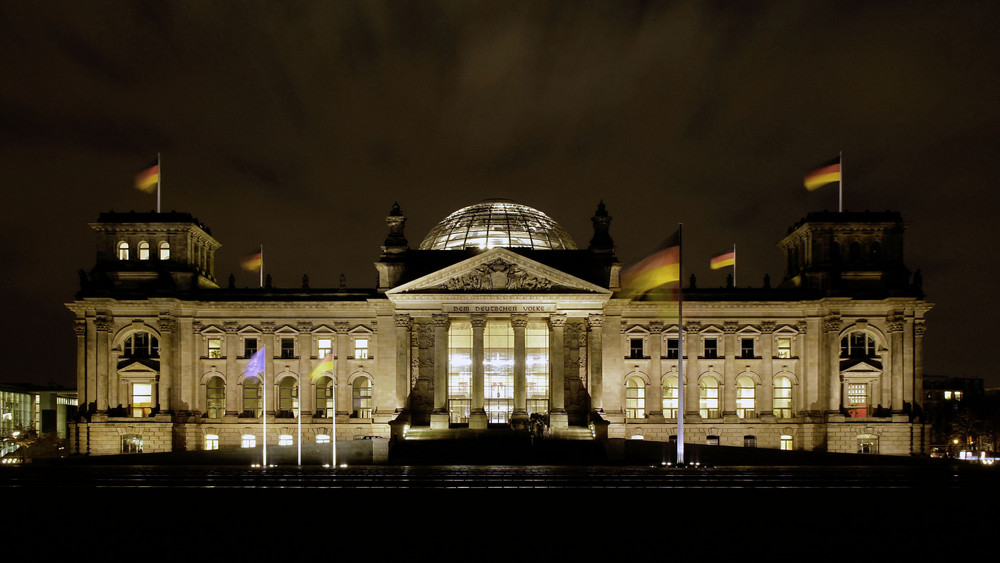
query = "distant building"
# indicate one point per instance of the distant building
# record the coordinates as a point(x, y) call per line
point(43, 410)
point(497, 315)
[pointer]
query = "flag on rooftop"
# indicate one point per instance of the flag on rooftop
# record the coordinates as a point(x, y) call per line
point(826, 173)
point(727, 258)
point(149, 178)
point(661, 267)
point(253, 262)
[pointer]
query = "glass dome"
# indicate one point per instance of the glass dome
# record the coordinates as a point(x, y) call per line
point(498, 222)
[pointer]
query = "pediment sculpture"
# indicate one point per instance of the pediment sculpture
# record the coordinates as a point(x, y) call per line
point(497, 275)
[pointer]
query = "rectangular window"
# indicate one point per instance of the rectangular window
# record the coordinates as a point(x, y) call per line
point(786, 442)
point(671, 348)
point(215, 348)
point(249, 347)
point(287, 348)
point(746, 348)
point(711, 348)
point(784, 348)
point(324, 347)
point(361, 348)
point(635, 348)
point(211, 441)
point(142, 399)
point(132, 444)
point(857, 399)
point(248, 441)
point(749, 441)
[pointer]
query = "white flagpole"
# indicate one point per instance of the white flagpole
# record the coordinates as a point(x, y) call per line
point(840, 183)
point(159, 176)
point(298, 415)
point(333, 417)
point(680, 345)
point(261, 266)
point(263, 382)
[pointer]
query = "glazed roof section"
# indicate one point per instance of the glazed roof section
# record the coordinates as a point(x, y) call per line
point(498, 223)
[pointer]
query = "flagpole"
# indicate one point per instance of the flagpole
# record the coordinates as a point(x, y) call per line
point(261, 266)
point(159, 178)
point(680, 344)
point(298, 399)
point(263, 383)
point(333, 418)
point(840, 183)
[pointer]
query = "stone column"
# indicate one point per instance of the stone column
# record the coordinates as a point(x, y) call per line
point(654, 397)
point(439, 417)
point(341, 397)
point(692, 390)
point(103, 324)
point(89, 401)
point(403, 323)
point(919, 327)
point(520, 416)
point(306, 401)
point(165, 385)
point(267, 328)
point(595, 321)
point(831, 348)
point(558, 418)
point(765, 399)
point(234, 396)
point(477, 418)
point(80, 328)
point(896, 323)
point(729, 370)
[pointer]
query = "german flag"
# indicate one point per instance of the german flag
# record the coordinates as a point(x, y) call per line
point(253, 262)
point(323, 367)
point(149, 178)
point(661, 267)
point(826, 173)
point(727, 258)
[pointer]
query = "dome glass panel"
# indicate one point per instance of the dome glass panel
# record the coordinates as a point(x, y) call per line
point(498, 223)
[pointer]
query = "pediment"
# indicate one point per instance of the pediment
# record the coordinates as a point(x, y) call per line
point(138, 366)
point(498, 270)
point(860, 366)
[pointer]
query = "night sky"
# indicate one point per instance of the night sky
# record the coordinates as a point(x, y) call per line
point(296, 125)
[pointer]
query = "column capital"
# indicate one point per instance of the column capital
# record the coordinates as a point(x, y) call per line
point(919, 327)
point(103, 323)
point(402, 320)
point(440, 320)
point(557, 320)
point(692, 326)
point(656, 327)
point(595, 320)
point(341, 327)
point(767, 327)
point(895, 322)
point(730, 327)
point(166, 324)
point(519, 320)
point(231, 327)
point(304, 326)
point(267, 327)
point(80, 327)
point(831, 323)
point(479, 320)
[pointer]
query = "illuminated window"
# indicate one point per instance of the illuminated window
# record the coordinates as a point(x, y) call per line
point(858, 344)
point(251, 398)
point(211, 441)
point(123, 250)
point(248, 441)
point(460, 371)
point(324, 396)
point(141, 345)
point(957, 395)
point(249, 346)
point(143, 250)
point(215, 397)
point(785, 442)
point(670, 396)
point(782, 397)
point(498, 368)
point(132, 443)
point(784, 348)
point(324, 347)
point(947, 394)
point(164, 250)
point(215, 348)
point(288, 398)
point(361, 393)
point(635, 348)
point(745, 394)
point(857, 399)
point(536, 369)
point(142, 399)
point(711, 348)
point(867, 444)
point(285, 440)
point(322, 438)
point(361, 348)
point(635, 398)
point(746, 348)
point(287, 348)
point(709, 397)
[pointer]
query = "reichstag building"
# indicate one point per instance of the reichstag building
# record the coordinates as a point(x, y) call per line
point(498, 319)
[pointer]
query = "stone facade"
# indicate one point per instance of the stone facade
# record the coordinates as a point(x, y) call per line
point(830, 359)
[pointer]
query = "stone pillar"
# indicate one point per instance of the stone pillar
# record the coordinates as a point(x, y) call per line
point(267, 330)
point(103, 324)
point(558, 418)
point(80, 328)
point(520, 416)
point(692, 390)
point(168, 354)
point(439, 417)
point(919, 327)
point(765, 399)
point(595, 321)
point(403, 323)
point(341, 397)
point(729, 370)
point(896, 323)
point(477, 418)
point(306, 400)
point(831, 349)
point(654, 396)
point(184, 384)
point(234, 395)
point(89, 401)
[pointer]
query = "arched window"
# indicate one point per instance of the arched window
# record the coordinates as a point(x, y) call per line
point(288, 398)
point(251, 398)
point(709, 398)
point(670, 397)
point(123, 250)
point(361, 393)
point(324, 397)
point(635, 398)
point(215, 397)
point(164, 250)
point(745, 397)
point(782, 397)
point(141, 344)
point(858, 344)
point(143, 251)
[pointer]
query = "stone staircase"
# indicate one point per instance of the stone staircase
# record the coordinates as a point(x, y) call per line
point(496, 446)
